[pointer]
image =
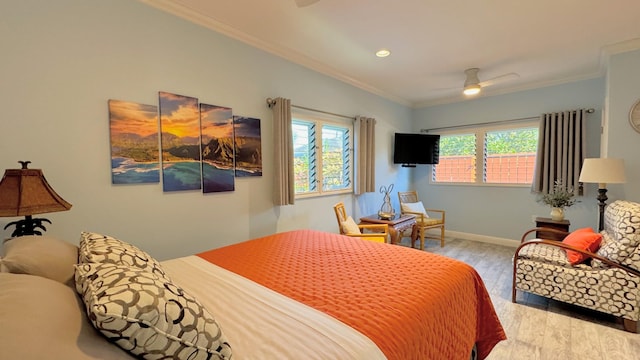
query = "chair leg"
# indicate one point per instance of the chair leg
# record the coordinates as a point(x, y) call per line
point(442, 236)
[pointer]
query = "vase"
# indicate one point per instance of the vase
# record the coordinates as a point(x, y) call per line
point(557, 214)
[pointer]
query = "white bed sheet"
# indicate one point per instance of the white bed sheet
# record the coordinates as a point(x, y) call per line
point(262, 324)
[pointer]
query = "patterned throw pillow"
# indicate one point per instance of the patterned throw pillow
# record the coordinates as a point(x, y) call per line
point(622, 231)
point(97, 248)
point(147, 315)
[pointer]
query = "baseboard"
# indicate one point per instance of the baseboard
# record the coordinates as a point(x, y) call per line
point(483, 238)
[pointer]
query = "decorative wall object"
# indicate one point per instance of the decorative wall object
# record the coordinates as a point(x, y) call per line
point(135, 158)
point(180, 142)
point(217, 150)
point(248, 146)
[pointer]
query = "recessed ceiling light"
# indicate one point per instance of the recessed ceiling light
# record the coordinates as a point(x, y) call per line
point(383, 53)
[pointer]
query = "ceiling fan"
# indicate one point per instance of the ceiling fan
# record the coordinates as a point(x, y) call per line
point(473, 85)
point(303, 3)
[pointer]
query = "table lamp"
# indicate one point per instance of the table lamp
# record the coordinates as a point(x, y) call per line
point(602, 171)
point(25, 192)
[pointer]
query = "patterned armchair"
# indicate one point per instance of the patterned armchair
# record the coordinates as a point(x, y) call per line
point(609, 282)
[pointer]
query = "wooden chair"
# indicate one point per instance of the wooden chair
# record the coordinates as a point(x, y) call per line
point(347, 226)
point(410, 204)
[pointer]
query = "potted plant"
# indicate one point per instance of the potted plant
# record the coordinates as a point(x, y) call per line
point(560, 197)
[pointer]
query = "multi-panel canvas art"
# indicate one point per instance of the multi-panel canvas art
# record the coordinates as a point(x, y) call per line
point(180, 142)
point(248, 145)
point(192, 146)
point(217, 149)
point(135, 158)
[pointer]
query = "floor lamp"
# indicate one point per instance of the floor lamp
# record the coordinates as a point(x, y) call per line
point(602, 171)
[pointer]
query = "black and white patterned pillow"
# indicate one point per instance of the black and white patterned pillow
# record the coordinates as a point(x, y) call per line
point(622, 231)
point(98, 248)
point(148, 315)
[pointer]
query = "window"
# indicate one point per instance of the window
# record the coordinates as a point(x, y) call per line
point(321, 157)
point(492, 155)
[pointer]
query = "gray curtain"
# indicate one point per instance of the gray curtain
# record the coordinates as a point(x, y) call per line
point(561, 150)
point(284, 192)
point(365, 155)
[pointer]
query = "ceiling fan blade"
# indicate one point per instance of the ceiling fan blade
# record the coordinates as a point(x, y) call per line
point(303, 3)
point(499, 79)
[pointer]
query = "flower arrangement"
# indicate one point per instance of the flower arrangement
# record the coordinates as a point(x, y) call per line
point(560, 197)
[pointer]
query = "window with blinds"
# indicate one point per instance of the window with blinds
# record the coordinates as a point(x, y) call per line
point(322, 157)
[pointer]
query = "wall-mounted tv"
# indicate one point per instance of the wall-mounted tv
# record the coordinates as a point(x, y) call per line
point(412, 149)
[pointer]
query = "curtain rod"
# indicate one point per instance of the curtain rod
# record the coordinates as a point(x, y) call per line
point(591, 110)
point(271, 101)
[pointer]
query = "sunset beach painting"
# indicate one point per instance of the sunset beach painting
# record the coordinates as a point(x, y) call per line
point(180, 142)
point(133, 128)
point(217, 150)
point(248, 146)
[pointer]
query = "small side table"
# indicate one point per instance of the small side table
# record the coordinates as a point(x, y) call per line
point(562, 225)
point(397, 225)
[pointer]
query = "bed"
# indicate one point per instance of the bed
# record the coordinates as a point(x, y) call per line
point(300, 293)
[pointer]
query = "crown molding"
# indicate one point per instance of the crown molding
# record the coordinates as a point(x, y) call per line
point(193, 16)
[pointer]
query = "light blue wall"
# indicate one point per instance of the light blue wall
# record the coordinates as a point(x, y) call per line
point(623, 90)
point(62, 60)
point(506, 212)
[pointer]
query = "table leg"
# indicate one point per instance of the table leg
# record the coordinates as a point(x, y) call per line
point(393, 235)
point(414, 234)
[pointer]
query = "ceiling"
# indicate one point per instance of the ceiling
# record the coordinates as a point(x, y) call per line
point(432, 42)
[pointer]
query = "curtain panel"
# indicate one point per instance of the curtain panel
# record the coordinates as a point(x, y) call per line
point(561, 150)
point(365, 155)
point(284, 192)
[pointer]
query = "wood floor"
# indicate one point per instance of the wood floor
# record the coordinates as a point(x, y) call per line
point(538, 328)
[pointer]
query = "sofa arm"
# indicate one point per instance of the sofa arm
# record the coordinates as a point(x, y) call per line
point(560, 244)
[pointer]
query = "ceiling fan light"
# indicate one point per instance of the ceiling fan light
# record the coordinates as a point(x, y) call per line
point(383, 53)
point(472, 89)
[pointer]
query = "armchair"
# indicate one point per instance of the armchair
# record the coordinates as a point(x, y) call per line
point(409, 204)
point(348, 226)
point(610, 283)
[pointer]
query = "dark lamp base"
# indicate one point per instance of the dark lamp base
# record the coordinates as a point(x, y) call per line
point(28, 226)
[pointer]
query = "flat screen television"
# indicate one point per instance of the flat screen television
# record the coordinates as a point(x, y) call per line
point(412, 149)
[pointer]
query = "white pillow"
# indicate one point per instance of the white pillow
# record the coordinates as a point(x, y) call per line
point(147, 315)
point(415, 207)
point(350, 227)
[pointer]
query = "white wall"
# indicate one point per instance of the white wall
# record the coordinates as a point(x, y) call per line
point(62, 61)
point(506, 212)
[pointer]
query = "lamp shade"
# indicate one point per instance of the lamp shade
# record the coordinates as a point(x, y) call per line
point(603, 171)
point(26, 192)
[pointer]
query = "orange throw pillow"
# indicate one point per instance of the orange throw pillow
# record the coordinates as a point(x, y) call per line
point(584, 239)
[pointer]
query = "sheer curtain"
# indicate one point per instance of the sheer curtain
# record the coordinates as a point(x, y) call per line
point(561, 150)
point(366, 152)
point(284, 192)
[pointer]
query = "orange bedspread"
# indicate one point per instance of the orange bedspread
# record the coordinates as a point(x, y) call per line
point(412, 304)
